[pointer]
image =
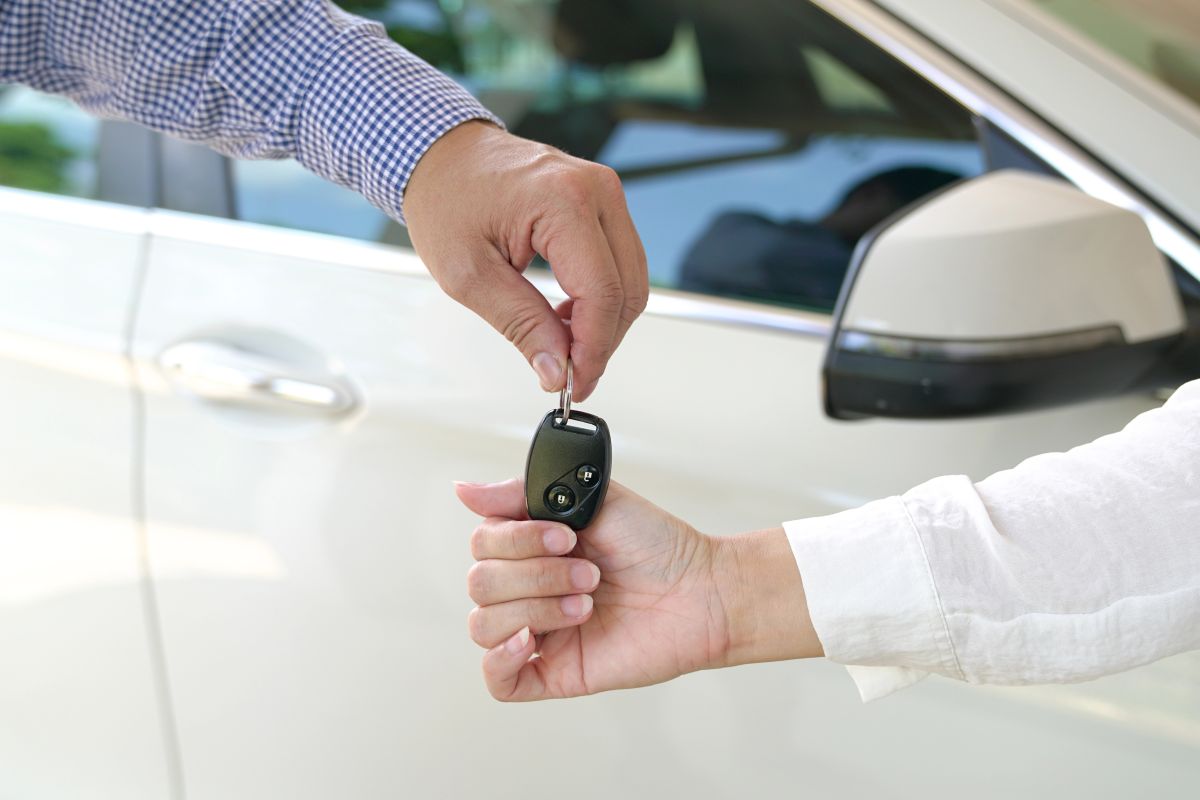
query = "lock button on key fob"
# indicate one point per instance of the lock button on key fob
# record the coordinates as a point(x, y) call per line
point(566, 474)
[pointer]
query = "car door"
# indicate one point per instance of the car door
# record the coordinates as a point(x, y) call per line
point(79, 684)
point(310, 395)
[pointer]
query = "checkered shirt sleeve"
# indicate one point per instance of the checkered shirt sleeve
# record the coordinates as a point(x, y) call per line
point(250, 78)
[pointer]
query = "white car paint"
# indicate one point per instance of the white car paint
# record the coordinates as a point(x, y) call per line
point(308, 572)
point(337, 663)
point(1022, 255)
point(79, 699)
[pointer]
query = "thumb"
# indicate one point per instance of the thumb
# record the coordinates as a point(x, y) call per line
point(506, 499)
point(514, 307)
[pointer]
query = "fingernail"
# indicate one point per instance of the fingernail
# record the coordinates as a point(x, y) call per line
point(478, 484)
point(584, 576)
point(517, 643)
point(549, 370)
point(577, 605)
point(557, 540)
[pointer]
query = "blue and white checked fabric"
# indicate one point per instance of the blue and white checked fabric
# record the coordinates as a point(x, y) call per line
point(250, 78)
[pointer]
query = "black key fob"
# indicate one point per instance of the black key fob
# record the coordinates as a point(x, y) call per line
point(566, 474)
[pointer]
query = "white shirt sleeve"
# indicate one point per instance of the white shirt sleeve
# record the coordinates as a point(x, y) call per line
point(1069, 567)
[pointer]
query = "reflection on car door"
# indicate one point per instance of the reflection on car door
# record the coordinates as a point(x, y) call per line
point(79, 714)
point(309, 562)
point(309, 558)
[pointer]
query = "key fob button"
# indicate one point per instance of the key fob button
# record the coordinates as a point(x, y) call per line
point(567, 471)
point(560, 499)
point(587, 475)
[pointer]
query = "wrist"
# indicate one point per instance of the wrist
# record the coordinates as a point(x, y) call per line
point(445, 161)
point(367, 110)
point(759, 589)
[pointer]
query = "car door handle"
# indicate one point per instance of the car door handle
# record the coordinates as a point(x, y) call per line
point(223, 372)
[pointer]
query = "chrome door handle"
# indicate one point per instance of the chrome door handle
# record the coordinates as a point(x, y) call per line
point(225, 373)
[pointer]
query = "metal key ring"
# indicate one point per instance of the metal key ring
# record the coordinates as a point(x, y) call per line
point(564, 396)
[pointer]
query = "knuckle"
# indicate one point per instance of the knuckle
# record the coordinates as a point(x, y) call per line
point(609, 293)
point(478, 581)
point(475, 625)
point(549, 577)
point(547, 613)
point(609, 181)
point(635, 303)
point(478, 543)
point(514, 540)
point(573, 189)
point(521, 325)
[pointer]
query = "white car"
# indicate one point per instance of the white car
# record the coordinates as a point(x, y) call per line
point(232, 403)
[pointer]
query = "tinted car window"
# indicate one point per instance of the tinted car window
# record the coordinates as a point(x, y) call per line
point(46, 143)
point(757, 141)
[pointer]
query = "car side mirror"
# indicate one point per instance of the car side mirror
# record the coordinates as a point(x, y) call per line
point(1004, 293)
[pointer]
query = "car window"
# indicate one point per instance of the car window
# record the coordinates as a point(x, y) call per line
point(757, 141)
point(46, 143)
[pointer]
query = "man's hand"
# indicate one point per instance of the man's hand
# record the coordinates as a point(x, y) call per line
point(641, 598)
point(482, 203)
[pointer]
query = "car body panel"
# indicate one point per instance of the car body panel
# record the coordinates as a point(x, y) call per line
point(79, 693)
point(310, 572)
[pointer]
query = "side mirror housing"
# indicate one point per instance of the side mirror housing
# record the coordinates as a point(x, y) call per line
point(1005, 293)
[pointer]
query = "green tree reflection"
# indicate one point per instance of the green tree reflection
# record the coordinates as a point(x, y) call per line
point(439, 47)
point(32, 158)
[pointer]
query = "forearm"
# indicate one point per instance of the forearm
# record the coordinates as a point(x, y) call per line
point(1066, 568)
point(251, 78)
point(762, 596)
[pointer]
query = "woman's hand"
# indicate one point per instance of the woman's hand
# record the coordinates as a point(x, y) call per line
point(641, 598)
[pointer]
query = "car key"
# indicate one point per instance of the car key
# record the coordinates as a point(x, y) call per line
point(566, 474)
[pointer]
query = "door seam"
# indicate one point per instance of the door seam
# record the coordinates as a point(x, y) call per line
point(169, 729)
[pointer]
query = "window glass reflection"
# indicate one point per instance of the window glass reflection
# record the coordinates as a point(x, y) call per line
point(757, 141)
point(46, 143)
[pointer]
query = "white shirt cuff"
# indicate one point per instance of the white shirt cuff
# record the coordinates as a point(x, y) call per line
point(871, 596)
point(876, 682)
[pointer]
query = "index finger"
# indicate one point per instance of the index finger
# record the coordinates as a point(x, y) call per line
point(582, 261)
point(630, 256)
point(630, 259)
point(513, 540)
